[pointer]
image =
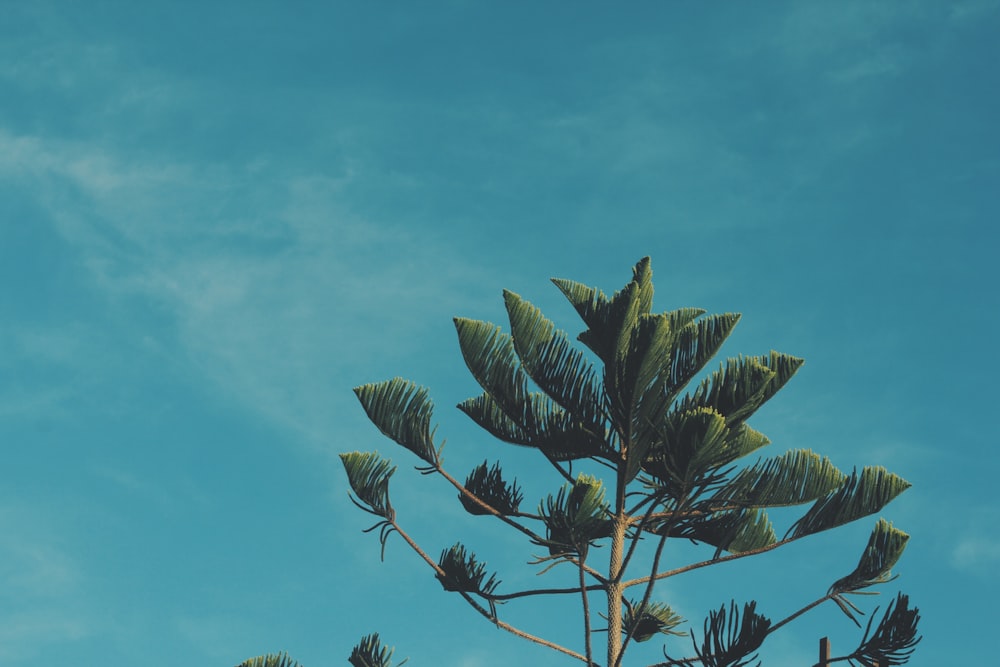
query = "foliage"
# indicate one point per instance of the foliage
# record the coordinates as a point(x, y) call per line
point(677, 468)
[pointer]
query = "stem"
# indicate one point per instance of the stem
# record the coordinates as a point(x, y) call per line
point(486, 614)
point(545, 591)
point(614, 587)
point(704, 563)
point(586, 616)
point(486, 506)
point(645, 597)
point(792, 617)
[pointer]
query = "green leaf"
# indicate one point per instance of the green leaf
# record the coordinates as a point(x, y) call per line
point(655, 618)
point(795, 477)
point(859, 496)
point(894, 638)
point(885, 546)
point(562, 372)
point(736, 390)
point(552, 430)
point(370, 652)
point(270, 660)
point(402, 411)
point(488, 485)
point(507, 409)
point(462, 572)
point(609, 321)
point(784, 367)
point(736, 531)
point(576, 518)
point(731, 639)
point(690, 445)
point(368, 474)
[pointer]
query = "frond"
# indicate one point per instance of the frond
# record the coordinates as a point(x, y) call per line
point(507, 409)
point(655, 618)
point(736, 531)
point(463, 572)
point(885, 546)
point(576, 517)
point(488, 485)
point(690, 444)
point(742, 385)
point(553, 431)
point(368, 474)
point(894, 639)
point(606, 318)
point(370, 652)
point(735, 390)
point(732, 639)
point(562, 372)
point(795, 477)
point(270, 660)
point(402, 410)
point(859, 496)
point(784, 367)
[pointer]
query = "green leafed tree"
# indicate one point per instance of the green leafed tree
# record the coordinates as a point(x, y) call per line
point(673, 451)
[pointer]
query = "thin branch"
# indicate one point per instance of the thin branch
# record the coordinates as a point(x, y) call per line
point(792, 617)
point(486, 506)
point(586, 616)
point(544, 591)
point(704, 563)
point(568, 477)
point(485, 613)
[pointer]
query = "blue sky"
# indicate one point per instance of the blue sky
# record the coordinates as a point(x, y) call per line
point(215, 221)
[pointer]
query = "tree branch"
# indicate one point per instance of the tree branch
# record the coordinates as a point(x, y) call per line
point(485, 613)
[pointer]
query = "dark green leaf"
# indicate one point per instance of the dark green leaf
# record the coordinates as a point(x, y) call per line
point(488, 485)
point(655, 618)
point(859, 496)
point(368, 474)
point(885, 546)
point(371, 653)
point(270, 660)
point(798, 476)
point(576, 517)
point(402, 411)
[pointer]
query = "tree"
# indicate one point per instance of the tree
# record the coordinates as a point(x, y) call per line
point(674, 471)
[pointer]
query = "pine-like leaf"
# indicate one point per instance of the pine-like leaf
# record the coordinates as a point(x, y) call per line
point(488, 485)
point(735, 390)
point(894, 638)
point(784, 367)
point(576, 517)
point(859, 496)
point(736, 531)
point(553, 431)
point(370, 652)
point(655, 618)
point(402, 410)
point(562, 372)
point(885, 546)
point(368, 474)
point(608, 319)
point(507, 409)
point(464, 573)
point(270, 660)
point(690, 444)
point(731, 640)
point(795, 477)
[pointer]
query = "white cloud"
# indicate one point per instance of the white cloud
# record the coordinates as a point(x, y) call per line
point(270, 308)
point(976, 553)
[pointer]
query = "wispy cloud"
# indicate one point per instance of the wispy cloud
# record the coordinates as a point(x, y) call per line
point(268, 307)
point(979, 554)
